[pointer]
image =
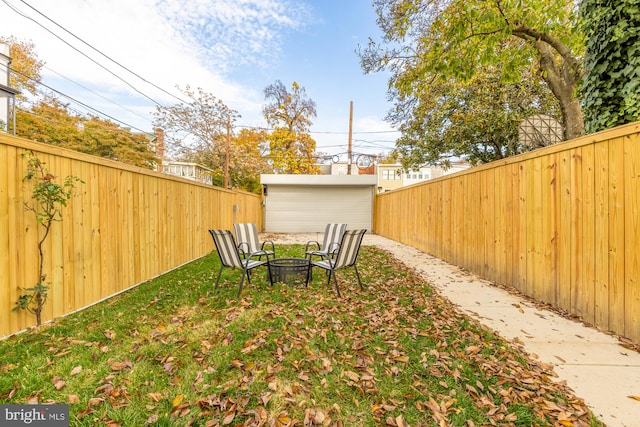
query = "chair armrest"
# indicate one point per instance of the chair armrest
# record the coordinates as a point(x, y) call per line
point(311, 242)
point(257, 255)
point(242, 250)
point(268, 243)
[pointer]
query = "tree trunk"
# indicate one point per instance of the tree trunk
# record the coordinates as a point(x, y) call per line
point(564, 86)
point(560, 70)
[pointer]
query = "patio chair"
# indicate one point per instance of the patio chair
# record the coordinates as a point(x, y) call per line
point(330, 243)
point(230, 257)
point(249, 242)
point(346, 256)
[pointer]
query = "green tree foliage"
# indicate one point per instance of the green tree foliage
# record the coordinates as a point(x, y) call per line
point(611, 87)
point(428, 45)
point(48, 199)
point(291, 148)
point(50, 122)
point(476, 119)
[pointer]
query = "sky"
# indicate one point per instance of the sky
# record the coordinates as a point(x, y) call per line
point(123, 57)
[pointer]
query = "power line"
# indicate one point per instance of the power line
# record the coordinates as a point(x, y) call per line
point(102, 53)
point(81, 53)
point(133, 73)
point(78, 102)
point(97, 94)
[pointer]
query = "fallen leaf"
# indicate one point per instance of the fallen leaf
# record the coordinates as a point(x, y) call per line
point(155, 396)
point(58, 383)
point(95, 401)
point(76, 370)
point(228, 418)
point(177, 400)
point(119, 366)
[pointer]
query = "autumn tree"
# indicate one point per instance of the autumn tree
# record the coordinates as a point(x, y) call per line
point(49, 121)
point(427, 41)
point(251, 161)
point(43, 118)
point(291, 148)
point(25, 66)
point(611, 84)
point(201, 130)
point(248, 159)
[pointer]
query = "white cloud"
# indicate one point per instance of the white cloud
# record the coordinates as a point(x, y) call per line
point(166, 42)
point(232, 33)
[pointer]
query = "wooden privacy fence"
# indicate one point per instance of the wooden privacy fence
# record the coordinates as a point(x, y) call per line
point(123, 226)
point(560, 224)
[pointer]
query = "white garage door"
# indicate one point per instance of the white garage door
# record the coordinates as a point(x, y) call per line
point(308, 209)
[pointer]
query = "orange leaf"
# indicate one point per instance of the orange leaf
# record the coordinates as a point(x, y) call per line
point(177, 400)
point(73, 398)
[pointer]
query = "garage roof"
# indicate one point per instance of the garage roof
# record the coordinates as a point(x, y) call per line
point(291, 179)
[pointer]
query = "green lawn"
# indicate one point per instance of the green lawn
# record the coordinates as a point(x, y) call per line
point(174, 352)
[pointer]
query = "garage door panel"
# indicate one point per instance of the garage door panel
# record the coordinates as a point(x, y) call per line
point(302, 209)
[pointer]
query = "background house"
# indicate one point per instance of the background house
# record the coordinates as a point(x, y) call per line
point(7, 94)
point(392, 176)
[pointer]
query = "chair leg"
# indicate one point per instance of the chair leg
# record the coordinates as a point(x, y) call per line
point(218, 279)
point(358, 276)
point(335, 281)
point(269, 275)
point(242, 282)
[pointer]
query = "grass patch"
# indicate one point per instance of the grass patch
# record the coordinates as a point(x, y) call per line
point(174, 352)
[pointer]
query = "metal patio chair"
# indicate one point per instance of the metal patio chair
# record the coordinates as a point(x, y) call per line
point(230, 257)
point(330, 243)
point(346, 256)
point(249, 242)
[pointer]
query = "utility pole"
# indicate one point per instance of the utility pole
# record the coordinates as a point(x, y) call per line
point(226, 153)
point(349, 154)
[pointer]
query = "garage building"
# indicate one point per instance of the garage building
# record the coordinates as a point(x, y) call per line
point(307, 203)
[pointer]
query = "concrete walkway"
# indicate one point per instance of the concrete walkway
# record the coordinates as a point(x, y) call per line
point(592, 363)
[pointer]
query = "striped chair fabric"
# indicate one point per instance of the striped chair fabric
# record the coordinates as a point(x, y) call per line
point(230, 256)
point(346, 256)
point(330, 243)
point(249, 242)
